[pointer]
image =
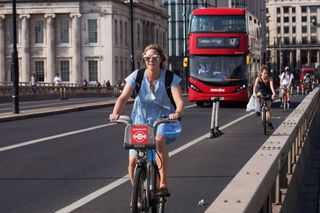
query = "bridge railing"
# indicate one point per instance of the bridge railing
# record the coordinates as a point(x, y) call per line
point(262, 185)
point(63, 90)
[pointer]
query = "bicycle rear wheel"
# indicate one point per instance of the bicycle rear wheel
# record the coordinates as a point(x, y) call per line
point(138, 196)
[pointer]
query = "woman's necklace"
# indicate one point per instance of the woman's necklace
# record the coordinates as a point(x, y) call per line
point(152, 86)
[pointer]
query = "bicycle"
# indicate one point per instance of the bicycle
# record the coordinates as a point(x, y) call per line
point(264, 110)
point(141, 137)
point(285, 102)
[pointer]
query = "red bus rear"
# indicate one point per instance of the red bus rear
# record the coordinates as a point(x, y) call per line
point(224, 54)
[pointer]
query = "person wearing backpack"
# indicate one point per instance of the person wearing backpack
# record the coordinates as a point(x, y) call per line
point(157, 94)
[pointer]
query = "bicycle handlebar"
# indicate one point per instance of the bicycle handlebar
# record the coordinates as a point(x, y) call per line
point(127, 120)
point(161, 121)
point(123, 119)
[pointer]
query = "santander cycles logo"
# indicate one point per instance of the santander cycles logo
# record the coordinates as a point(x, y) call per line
point(140, 135)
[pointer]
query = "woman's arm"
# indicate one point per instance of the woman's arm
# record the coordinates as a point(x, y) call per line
point(272, 88)
point(121, 101)
point(255, 87)
point(177, 97)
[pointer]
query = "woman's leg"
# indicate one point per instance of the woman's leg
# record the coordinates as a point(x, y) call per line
point(269, 112)
point(131, 166)
point(163, 162)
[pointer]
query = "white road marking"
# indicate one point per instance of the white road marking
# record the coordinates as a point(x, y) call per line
point(58, 136)
point(50, 104)
point(40, 140)
point(193, 105)
point(122, 180)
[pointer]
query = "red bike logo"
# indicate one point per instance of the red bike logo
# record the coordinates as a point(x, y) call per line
point(139, 135)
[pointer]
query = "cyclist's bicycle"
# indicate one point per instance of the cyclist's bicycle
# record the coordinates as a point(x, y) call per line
point(264, 110)
point(141, 137)
point(285, 102)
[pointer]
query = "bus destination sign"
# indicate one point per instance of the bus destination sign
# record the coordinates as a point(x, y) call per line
point(216, 42)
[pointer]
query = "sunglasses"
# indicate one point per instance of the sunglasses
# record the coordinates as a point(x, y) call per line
point(152, 58)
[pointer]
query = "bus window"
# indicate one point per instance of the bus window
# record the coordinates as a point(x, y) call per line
point(218, 24)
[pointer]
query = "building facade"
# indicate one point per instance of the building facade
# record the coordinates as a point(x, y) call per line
point(292, 39)
point(79, 39)
point(178, 23)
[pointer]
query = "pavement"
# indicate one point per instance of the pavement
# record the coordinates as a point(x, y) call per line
point(23, 114)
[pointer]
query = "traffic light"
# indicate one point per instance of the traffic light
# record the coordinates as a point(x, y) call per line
point(185, 62)
point(249, 59)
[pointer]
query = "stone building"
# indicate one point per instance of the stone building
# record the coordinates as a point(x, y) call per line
point(79, 39)
point(292, 39)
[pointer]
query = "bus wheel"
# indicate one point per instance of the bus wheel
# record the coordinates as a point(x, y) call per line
point(200, 103)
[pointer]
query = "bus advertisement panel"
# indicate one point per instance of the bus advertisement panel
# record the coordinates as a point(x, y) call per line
point(224, 54)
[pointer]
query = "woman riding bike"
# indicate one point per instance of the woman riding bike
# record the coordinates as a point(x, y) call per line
point(152, 103)
point(285, 84)
point(263, 86)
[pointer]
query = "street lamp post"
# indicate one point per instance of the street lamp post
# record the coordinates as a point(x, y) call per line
point(14, 61)
point(132, 42)
point(184, 2)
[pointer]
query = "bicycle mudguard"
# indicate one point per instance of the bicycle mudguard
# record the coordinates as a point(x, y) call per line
point(139, 136)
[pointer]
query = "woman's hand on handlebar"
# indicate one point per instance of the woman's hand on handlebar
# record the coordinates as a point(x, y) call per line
point(175, 116)
point(114, 117)
point(273, 96)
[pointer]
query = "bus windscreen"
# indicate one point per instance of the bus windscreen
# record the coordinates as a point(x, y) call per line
point(217, 68)
point(217, 23)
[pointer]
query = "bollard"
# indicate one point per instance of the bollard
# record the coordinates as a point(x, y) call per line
point(298, 92)
point(63, 93)
point(215, 132)
point(302, 90)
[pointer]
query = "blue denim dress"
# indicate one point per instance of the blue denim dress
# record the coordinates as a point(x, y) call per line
point(149, 107)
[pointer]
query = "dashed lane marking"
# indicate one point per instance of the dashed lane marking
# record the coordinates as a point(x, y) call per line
point(40, 140)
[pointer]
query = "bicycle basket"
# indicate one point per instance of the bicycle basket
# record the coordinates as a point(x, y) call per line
point(139, 137)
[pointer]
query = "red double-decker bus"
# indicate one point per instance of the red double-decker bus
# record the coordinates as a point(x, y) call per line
point(224, 54)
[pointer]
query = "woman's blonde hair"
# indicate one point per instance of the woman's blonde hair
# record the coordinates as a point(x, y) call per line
point(157, 48)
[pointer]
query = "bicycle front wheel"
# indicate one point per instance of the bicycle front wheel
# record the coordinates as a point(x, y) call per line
point(264, 120)
point(138, 198)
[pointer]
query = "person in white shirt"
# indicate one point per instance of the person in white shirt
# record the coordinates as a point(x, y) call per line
point(57, 80)
point(285, 82)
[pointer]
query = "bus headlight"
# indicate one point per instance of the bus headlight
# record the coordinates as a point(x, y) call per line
point(240, 88)
point(192, 86)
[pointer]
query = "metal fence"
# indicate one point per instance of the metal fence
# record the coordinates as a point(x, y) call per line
point(63, 90)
